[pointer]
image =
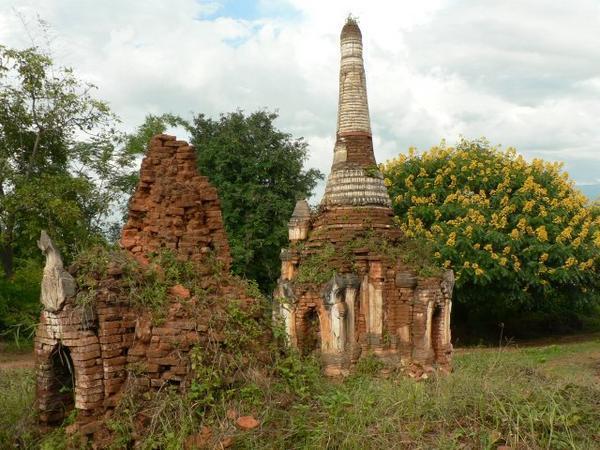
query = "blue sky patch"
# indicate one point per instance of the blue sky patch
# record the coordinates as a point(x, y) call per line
point(251, 9)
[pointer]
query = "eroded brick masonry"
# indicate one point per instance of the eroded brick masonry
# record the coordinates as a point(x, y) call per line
point(372, 302)
point(92, 345)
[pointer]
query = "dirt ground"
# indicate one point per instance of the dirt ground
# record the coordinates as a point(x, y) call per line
point(13, 357)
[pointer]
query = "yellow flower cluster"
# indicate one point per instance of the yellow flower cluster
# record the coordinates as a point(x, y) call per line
point(571, 261)
point(541, 233)
point(451, 242)
point(511, 212)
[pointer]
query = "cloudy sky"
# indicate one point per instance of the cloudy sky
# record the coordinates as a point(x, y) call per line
point(523, 73)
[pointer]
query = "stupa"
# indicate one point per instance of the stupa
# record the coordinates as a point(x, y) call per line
point(346, 289)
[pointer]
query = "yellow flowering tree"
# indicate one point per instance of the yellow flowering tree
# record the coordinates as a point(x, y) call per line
point(517, 234)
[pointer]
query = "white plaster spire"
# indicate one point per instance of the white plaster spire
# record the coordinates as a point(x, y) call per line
point(354, 179)
point(353, 107)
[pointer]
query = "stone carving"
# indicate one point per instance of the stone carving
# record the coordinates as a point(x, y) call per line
point(338, 325)
point(336, 287)
point(57, 283)
point(448, 284)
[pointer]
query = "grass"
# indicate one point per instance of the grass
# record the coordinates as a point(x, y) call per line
point(11, 348)
point(17, 391)
point(528, 398)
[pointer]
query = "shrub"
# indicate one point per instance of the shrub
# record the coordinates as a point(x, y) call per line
point(518, 235)
point(20, 300)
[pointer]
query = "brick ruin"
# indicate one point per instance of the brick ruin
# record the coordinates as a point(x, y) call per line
point(88, 353)
point(174, 207)
point(372, 301)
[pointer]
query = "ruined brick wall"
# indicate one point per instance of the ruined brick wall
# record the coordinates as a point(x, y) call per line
point(56, 332)
point(392, 312)
point(89, 352)
point(174, 207)
point(89, 345)
point(404, 323)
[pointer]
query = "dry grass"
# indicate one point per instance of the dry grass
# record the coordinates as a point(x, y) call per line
point(544, 397)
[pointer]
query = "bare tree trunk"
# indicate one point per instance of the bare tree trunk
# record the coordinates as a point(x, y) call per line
point(6, 255)
point(6, 250)
point(36, 145)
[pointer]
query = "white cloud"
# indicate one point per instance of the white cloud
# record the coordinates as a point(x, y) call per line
point(522, 73)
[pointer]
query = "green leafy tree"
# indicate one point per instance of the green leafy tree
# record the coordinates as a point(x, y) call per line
point(517, 234)
point(259, 173)
point(62, 164)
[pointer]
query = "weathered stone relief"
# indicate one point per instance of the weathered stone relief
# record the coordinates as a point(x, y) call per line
point(57, 283)
point(338, 325)
point(285, 305)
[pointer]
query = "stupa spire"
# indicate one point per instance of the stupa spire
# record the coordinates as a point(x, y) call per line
point(354, 179)
point(353, 107)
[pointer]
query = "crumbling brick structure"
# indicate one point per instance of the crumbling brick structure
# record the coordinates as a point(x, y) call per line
point(174, 207)
point(372, 301)
point(93, 337)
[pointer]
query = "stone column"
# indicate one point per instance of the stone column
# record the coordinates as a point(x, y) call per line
point(287, 314)
point(421, 326)
point(351, 317)
point(375, 305)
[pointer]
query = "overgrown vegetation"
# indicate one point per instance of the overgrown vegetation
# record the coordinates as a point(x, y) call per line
point(20, 301)
point(320, 265)
point(534, 398)
point(17, 390)
point(236, 370)
point(147, 287)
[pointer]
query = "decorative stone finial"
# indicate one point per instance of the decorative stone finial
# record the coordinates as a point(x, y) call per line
point(57, 283)
point(299, 222)
point(301, 211)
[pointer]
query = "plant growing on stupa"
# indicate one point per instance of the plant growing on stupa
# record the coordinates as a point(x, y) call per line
point(517, 234)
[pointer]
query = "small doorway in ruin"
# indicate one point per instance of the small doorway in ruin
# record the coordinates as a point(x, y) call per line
point(310, 336)
point(437, 331)
point(59, 385)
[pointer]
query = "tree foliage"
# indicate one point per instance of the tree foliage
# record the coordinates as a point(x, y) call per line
point(60, 166)
point(517, 233)
point(259, 173)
